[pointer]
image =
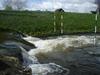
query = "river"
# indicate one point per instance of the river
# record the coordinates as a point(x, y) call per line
point(65, 55)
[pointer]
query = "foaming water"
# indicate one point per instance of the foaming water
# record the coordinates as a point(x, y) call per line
point(41, 69)
point(37, 68)
point(56, 44)
point(59, 43)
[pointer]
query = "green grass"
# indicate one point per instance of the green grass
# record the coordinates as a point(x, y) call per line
point(41, 23)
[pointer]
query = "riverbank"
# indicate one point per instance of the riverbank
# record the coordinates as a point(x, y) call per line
point(37, 23)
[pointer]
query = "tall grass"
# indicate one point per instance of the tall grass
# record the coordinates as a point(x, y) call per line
point(41, 23)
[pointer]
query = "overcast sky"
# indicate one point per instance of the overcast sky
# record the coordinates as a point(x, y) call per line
point(67, 5)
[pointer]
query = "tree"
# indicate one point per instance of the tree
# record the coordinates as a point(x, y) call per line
point(20, 4)
point(8, 8)
point(15, 4)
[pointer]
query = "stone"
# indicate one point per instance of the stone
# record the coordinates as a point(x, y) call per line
point(11, 66)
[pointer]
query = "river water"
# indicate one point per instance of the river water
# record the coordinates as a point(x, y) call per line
point(65, 55)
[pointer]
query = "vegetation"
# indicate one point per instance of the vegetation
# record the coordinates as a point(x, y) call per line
point(42, 23)
point(9, 8)
point(14, 4)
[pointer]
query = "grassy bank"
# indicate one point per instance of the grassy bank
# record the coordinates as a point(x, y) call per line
point(41, 23)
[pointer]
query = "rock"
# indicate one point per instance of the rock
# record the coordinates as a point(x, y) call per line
point(11, 57)
point(12, 51)
point(11, 66)
point(9, 36)
point(11, 61)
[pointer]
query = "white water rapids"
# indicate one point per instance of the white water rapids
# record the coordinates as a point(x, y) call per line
point(50, 45)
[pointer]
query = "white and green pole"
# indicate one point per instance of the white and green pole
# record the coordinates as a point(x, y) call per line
point(61, 24)
point(95, 28)
point(54, 17)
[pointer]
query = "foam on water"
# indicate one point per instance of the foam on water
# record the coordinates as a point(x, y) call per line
point(41, 69)
point(60, 43)
point(55, 44)
point(31, 61)
point(44, 69)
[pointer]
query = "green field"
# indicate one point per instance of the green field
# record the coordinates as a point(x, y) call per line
point(41, 23)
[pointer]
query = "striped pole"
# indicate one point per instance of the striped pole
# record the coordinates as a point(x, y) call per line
point(95, 31)
point(54, 22)
point(62, 25)
point(54, 16)
point(95, 28)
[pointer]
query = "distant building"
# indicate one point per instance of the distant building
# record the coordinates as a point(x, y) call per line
point(59, 10)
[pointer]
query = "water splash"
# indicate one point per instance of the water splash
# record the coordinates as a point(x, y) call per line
point(60, 43)
point(41, 69)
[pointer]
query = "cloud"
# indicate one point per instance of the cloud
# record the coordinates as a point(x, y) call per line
point(1, 7)
point(15, 4)
point(67, 5)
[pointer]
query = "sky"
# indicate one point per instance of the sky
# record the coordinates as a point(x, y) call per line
point(68, 5)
